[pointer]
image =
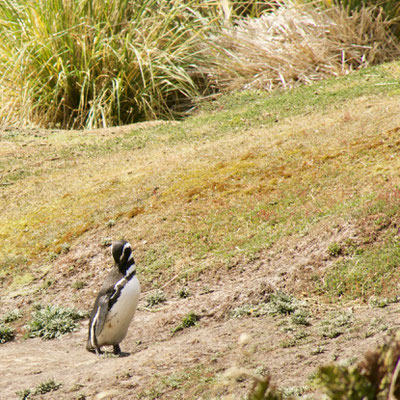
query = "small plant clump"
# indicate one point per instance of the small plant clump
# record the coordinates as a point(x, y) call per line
point(301, 317)
point(263, 390)
point(294, 339)
point(242, 311)
point(155, 298)
point(183, 292)
point(278, 303)
point(282, 303)
point(336, 325)
point(45, 387)
point(24, 394)
point(53, 321)
point(12, 316)
point(6, 333)
point(65, 248)
point(334, 249)
point(384, 302)
point(78, 285)
point(188, 320)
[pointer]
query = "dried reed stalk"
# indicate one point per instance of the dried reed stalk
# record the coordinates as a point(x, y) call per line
point(299, 44)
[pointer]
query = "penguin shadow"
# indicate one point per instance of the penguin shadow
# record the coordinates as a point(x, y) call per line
point(110, 354)
point(123, 354)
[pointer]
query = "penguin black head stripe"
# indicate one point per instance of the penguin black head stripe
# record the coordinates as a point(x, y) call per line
point(116, 302)
point(122, 253)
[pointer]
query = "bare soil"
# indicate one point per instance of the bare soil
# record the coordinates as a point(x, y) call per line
point(198, 362)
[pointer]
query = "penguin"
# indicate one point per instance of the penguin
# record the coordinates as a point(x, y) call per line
point(116, 302)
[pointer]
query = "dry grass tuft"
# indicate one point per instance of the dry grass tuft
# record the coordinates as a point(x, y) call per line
point(299, 44)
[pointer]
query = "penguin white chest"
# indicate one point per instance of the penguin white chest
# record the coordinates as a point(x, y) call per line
point(120, 315)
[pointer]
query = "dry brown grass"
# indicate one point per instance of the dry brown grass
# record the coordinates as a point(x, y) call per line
point(299, 44)
point(201, 193)
point(187, 203)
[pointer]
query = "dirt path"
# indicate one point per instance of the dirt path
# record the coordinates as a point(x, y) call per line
point(193, 363)
point(83, 375)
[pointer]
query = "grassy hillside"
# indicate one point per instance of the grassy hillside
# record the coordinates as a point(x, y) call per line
point(220, 188)
point(297, 189)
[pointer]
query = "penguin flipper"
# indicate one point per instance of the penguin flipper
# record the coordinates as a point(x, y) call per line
point(102, 311)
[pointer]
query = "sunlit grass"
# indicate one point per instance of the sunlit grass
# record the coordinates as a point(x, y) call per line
point(390, 8)
point(371, 268)
point(301, 42)
point(205, 193)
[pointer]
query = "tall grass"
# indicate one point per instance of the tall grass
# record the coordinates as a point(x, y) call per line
point(389, 8)
point(92, 63)
point(96, 63)
point(299, 43)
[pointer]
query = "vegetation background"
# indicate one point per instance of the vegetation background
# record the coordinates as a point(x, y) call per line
point(282, 138)
point(89, 63)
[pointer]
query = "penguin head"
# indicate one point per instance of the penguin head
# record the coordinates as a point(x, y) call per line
point(122, 253)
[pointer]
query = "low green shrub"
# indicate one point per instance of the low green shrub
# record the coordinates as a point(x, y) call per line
point(188, 320)
point(6, 333)
point(44, 387)
point(53, 321)
point(12, 316)
point(154, 298)
point(334, 249)
point(263, 390)
point(277, 303)
point(183, 292)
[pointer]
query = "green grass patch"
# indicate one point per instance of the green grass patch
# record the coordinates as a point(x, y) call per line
point(44, 387)
point(334, 249)
point(22, 280)
point(53, 321)
point(375, 272)
point(237, 111)
point(244, 184)
point(190, 319)
point(155, 298)
point(243, 106)
point(7, 333)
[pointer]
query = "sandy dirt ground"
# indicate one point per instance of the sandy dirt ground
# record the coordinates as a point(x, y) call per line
point(195, 362)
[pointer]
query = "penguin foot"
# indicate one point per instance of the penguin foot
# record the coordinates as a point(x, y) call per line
point(116, 349)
